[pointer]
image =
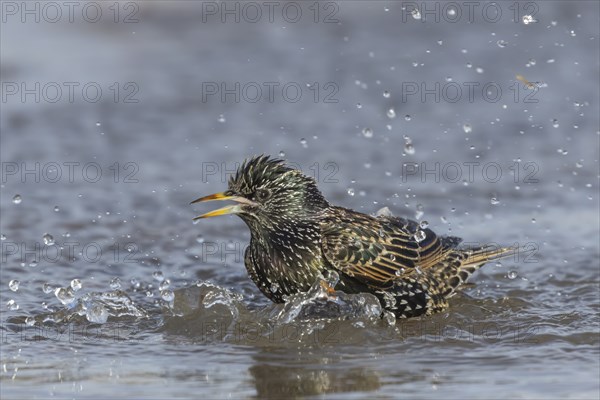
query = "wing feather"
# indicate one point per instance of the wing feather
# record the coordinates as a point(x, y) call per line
point(377, 250)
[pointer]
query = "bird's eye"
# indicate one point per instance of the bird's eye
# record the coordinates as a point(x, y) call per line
point(262, 194)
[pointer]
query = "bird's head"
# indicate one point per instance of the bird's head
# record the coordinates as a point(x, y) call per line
point(267, 193)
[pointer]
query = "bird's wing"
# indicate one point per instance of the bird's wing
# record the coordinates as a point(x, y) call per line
point(379, 250)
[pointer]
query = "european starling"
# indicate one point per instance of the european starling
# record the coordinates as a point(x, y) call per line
point(297, 236)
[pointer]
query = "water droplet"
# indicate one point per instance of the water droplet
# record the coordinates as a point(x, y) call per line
point(14, 285)
point(17, 199)
point(512, 274)
point(391, 113)
point(221, 118)
point(281, 153)
point(29, 321)
point(416, 14)
point(135, 283)
point(424, 224)
point(48, 239)
point(407, 117)
point(2, 237)
point(331, 277)
point(64, 295)
point(351, 191)
point(97, 314)
point(56, 209)
point(502, 43)
point(167, 295)
point(12, 305)
point(479, 70)
point(384, 212)
point(390, 318)
point(76, 284)
point(562, 151)
point(555, 123)
point(408, 146)
point(164, 285)
point(98, 124)
point(420, 211)
point(303, 143)
point(420, 236)
point(386, 94)
point(467, 128)
point(367, 132)
point(533, 221)
point(200, 239)
point(440, 42)
point(358, 105)
point(528, 19)
point(358, 324)
point(115, 283)
point(494, 201)
point(158, 275)
point(47, 288)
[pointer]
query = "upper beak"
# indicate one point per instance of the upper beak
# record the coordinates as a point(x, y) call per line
point(233, 209)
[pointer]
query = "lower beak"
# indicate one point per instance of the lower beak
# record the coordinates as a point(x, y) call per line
point(233, 209)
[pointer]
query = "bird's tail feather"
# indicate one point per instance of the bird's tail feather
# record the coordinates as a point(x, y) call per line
point(464, 262)
point(428, 292)
point(481, 255)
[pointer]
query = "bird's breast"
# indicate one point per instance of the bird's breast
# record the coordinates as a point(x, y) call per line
point(283, 269)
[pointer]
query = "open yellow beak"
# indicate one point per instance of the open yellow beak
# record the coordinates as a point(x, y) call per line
point(233, 209)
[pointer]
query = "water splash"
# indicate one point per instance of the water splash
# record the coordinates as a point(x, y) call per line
point(95, 307)
point(320, 302)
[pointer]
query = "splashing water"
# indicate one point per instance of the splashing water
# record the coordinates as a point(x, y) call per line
point(319, 302)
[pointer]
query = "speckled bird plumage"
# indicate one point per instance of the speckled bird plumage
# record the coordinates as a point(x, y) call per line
point(296, 235)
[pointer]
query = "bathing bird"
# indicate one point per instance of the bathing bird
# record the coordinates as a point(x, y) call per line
point(297, 237)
